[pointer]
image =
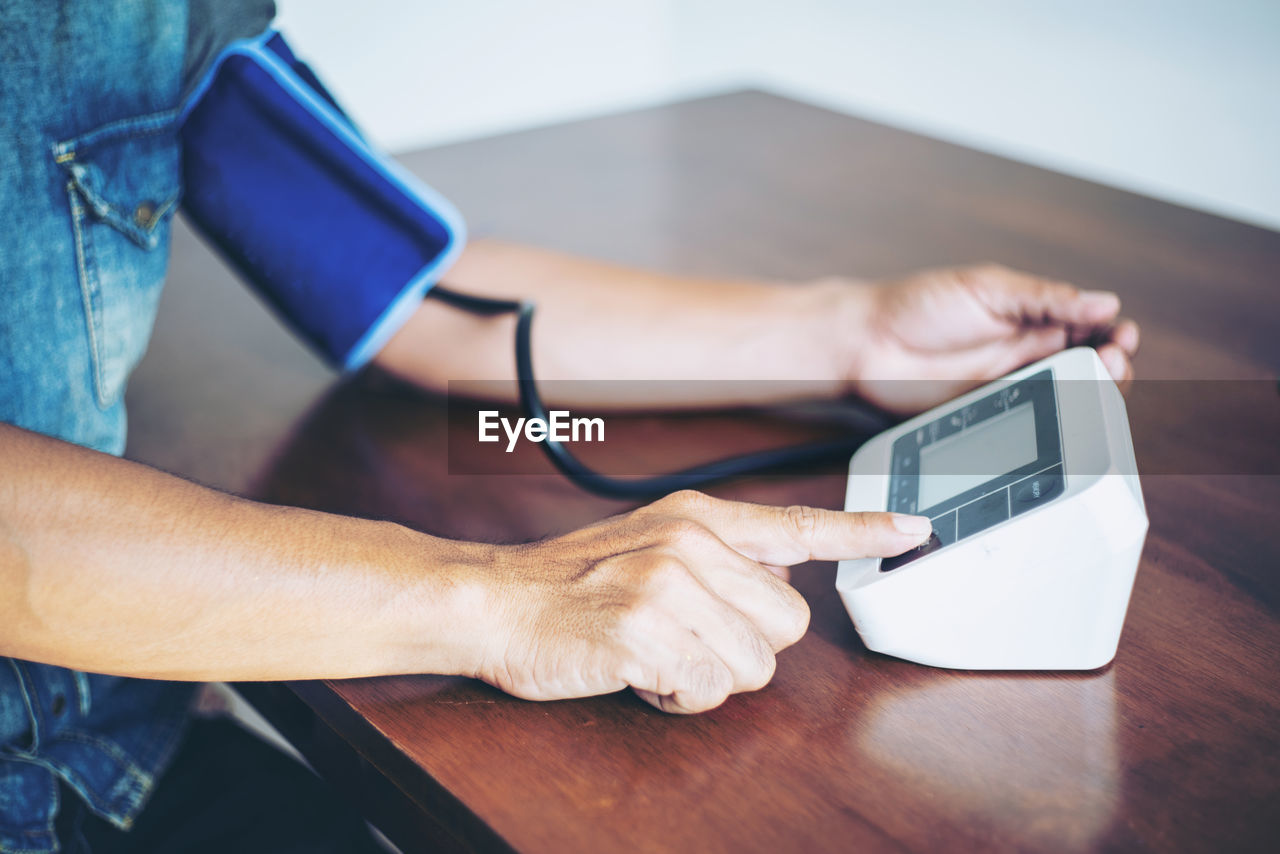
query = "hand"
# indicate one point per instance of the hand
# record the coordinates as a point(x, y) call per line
point(685, 600)
point(959, 328)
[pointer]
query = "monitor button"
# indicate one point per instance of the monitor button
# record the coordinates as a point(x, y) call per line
point(944, 528)
point(927, 547)
point(983, 513)
point(1038, 488)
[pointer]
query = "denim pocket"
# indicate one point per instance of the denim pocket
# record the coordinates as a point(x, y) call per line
point(123, 183)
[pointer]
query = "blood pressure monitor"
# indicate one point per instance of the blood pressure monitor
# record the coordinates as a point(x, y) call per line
point(1038, 525)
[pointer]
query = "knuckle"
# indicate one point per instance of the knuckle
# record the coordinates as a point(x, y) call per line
point(683, 532)
point(1062, 291)
point(790, 621)
point(685, 500)
point(633, 602)
point(968, 278)
point(765, 664)
point(709, 684)
point(660, 573)
point(762, 676)
point(797, 620)
point(802, 522)
point(975, 277)
point(627, 620)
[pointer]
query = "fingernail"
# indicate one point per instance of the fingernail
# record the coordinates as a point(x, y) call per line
point(916, 526)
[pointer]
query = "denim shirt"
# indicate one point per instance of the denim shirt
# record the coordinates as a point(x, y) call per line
point(89, 181)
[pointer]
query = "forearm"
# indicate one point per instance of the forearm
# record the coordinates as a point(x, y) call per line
point(600, 322)
point(113, 567)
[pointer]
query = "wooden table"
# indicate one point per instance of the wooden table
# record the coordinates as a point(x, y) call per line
point(1175, 746)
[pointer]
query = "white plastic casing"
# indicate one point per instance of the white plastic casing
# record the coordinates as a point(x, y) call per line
point(1044, 590)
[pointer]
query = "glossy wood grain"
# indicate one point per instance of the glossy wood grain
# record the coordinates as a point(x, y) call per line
point(1174, 747)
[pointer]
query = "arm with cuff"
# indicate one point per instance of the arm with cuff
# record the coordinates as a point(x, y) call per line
point(344, 243)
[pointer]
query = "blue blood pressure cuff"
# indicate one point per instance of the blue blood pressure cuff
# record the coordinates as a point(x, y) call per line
point(338, 238)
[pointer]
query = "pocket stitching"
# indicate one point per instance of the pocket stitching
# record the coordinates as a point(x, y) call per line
point(144, 236)
point(85, 203)
point(89, 286)
point(150, 124)
point(66, 152)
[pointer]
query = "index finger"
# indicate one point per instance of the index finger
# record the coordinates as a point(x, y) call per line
point(784, 536)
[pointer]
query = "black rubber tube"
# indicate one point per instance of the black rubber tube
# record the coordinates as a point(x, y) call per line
point(639, 487)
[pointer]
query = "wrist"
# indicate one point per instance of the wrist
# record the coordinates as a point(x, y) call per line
point(842, 311)
point(440, 610)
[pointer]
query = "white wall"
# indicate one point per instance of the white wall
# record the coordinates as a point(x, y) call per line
point(1177, 99)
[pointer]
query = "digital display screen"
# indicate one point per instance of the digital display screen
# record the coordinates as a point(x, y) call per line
point(975, 455)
